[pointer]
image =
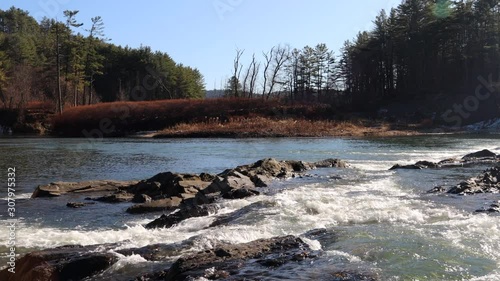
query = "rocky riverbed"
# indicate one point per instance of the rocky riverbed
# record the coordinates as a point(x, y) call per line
point(184, 196)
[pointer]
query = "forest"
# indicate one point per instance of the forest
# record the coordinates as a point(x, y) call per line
point(438, 54)
point(48, 61)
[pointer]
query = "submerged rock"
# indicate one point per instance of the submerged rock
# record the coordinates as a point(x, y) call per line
point(77, 205)
point(476, 158)
point(62, 263)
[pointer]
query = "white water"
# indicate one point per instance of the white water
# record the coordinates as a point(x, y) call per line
point(380, 223)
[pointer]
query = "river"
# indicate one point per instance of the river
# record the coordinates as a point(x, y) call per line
point(382, 222)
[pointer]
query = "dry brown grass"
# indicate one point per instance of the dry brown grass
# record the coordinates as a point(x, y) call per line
point(129, 117)
point(268, 127)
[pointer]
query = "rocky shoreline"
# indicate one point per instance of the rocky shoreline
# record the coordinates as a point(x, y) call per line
point(191, 195)
point(487, 182)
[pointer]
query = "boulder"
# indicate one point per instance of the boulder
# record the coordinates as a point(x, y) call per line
point(487, 182)
point(228, 261)
point(480, 154)
point(61, 188)
point(141, 198)
point(186, 212)
point(166, 204)
point(331, 163)
point(118, 197)
point(476, 158)
point(240, 193)
point(62, 263)
point(169, 184)
point(493, 208)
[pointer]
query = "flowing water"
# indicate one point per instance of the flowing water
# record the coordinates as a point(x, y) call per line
point(377, 221)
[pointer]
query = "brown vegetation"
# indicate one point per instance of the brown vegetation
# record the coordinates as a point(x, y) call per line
point(268, 127)
point(122, 118)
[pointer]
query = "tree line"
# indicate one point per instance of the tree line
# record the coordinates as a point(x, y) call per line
point(71, 63)
point(420, 49)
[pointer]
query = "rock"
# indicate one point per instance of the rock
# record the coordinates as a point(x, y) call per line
point(437, 189)
point(480, 154)
point(156, 206)
point(231, 260)
point(155, 252)
point(331, 163)
point(61, 188)
point(119, 197)
point(141, 198)
point(241, 214)
point(240, 193)
point(417, 166)
point(78, 204)
point(169, 184)
point(186, 212)
point(62, 263)
point(488, 182)
point(476, 158)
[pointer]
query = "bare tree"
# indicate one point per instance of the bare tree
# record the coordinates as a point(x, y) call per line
point(253, 79)
point(279, 57)
point(237, 69)
point(247, 75)
point(268, 57)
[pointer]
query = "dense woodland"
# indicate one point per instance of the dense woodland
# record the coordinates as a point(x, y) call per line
point(436, 52)
point(72, 63)
point(433, 50)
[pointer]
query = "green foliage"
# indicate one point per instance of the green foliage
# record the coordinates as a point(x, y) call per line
point(90, 68)
point(423, 47)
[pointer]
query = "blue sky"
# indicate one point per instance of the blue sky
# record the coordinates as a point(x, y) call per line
point(205, 33)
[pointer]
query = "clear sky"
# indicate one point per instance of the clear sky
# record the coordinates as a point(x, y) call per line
point(205, 33)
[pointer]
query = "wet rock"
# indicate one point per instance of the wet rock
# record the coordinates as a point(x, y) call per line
point(493, 208)
point(169, 184)
point(77, 205)
point(231, 260)
point(241, 214)
point(119, 197)
point(480, 154)
point(61, 188)
point(476, 158)
point(186, 212)
point(155, 252)
point(488, 182)
point(156, 206)
point(62, 263)
point(240, 193)
point(417, 166)
point(141, 198)
point(331, 163)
